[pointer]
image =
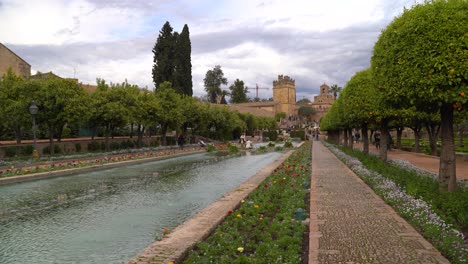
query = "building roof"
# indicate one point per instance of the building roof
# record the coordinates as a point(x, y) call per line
point(15, 54)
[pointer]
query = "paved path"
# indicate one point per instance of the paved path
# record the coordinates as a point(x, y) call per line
point(427, 162)
point(349, 223)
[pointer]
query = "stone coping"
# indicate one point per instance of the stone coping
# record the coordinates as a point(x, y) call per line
point(66, 172)
point(176, 245)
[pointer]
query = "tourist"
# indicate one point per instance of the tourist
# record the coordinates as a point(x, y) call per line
point(377, 139)
point(181, 141)
point(248, 144)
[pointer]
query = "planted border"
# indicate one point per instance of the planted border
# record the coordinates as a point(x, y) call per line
point(263, 228)
point(444, 236)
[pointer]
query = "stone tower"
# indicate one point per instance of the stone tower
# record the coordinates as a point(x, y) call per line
point(284, 94)
point(322, 102)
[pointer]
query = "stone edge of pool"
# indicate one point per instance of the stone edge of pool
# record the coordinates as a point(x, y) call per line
point(51, 174)
point(176, 245)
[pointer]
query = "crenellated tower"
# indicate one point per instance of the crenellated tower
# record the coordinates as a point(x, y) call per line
point(284, 94)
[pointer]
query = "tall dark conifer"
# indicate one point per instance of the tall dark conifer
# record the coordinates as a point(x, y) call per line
point(183, 63)
point(163, 67)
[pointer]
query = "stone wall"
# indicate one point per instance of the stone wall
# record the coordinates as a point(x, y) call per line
point(9, 59)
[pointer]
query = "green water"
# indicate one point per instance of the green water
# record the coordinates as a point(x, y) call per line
point(109, 216)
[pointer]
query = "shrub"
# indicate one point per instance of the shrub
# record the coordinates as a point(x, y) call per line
point(78, 147)
point(57, 150)
point(114, 146)
point(10, 152)
point(233, 149)
point(279, 148)
point(27, 150)
point(210, 148)
point(271, 144)
point(298, 134)
point(93, 146)
point(272, 135)
point(288, 144)
point(262, 149)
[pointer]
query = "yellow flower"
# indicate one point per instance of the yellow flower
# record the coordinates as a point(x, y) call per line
point(170, 262)
point(256, 206)
point(261, 218)
point(243, 201)
point(239, 216)
point(274, 182)
point(240, 249)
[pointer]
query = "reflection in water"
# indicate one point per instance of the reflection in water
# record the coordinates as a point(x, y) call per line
point(108, 216)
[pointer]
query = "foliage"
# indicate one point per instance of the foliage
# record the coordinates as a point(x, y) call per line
point(279, 115)
point(262, 230)
point(288, 144)
point(163, 59)
point(416, 62)
point(210, 148)
point(183, 63)
point(238, 92)
point(298, 134)
point(57, 150)
point(233, 149)
point(78, 147)
point(335, 89)
point(272, 135)
point(306, 111)
point(213, 80)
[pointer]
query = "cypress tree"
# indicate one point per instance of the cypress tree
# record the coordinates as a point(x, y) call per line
point(183, 63)
point(163, 65)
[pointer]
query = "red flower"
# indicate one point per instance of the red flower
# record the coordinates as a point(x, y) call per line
point(265, 186)
point(292, 185)
point(229, 212)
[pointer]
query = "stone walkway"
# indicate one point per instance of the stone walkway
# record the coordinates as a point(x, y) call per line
point(426, 162)
point(349, 223)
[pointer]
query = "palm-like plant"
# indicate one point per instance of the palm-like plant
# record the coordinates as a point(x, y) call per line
point(335, 89)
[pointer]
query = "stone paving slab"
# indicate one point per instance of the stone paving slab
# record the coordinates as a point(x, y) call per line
point(349, 223)
point(175, 246)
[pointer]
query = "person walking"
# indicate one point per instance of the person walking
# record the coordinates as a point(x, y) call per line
point(377, 139)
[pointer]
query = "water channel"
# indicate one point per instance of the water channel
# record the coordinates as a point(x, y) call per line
point(108, 216)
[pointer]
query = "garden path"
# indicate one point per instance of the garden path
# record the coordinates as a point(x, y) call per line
point(423, 161)
point(349, 223)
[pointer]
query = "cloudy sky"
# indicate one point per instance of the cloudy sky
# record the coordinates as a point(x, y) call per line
point(312, 41)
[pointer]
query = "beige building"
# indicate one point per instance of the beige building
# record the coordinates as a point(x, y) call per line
point(264, 109)
point(322, 102)
point(284, 94)
point(8, 59)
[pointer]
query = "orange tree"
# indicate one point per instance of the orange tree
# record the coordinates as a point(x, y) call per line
point(360, 103)
point(420, 59)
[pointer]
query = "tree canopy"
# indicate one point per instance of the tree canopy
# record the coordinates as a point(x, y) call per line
point(213, 80)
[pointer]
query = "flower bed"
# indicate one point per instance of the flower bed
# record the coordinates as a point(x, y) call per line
point(263, 228)
point(444, 236)
point(63, 165)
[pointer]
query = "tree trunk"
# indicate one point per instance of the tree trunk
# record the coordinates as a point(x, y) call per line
point(163, 135)
point(383, 140)
point(141, 132)
point(399, 132)
point(18, 134)
point(433, 131)
point(416, 130)
point(365, 140)
point(447, 168)
point(350, 138)
point(107, 138)
point(51, 140)
point(131, 130)
point(345, 137)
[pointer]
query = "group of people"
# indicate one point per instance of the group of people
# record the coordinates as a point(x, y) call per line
point(377, 140)
point(243, 141)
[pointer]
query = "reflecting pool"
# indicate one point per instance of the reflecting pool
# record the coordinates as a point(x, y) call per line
point(108, 216)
